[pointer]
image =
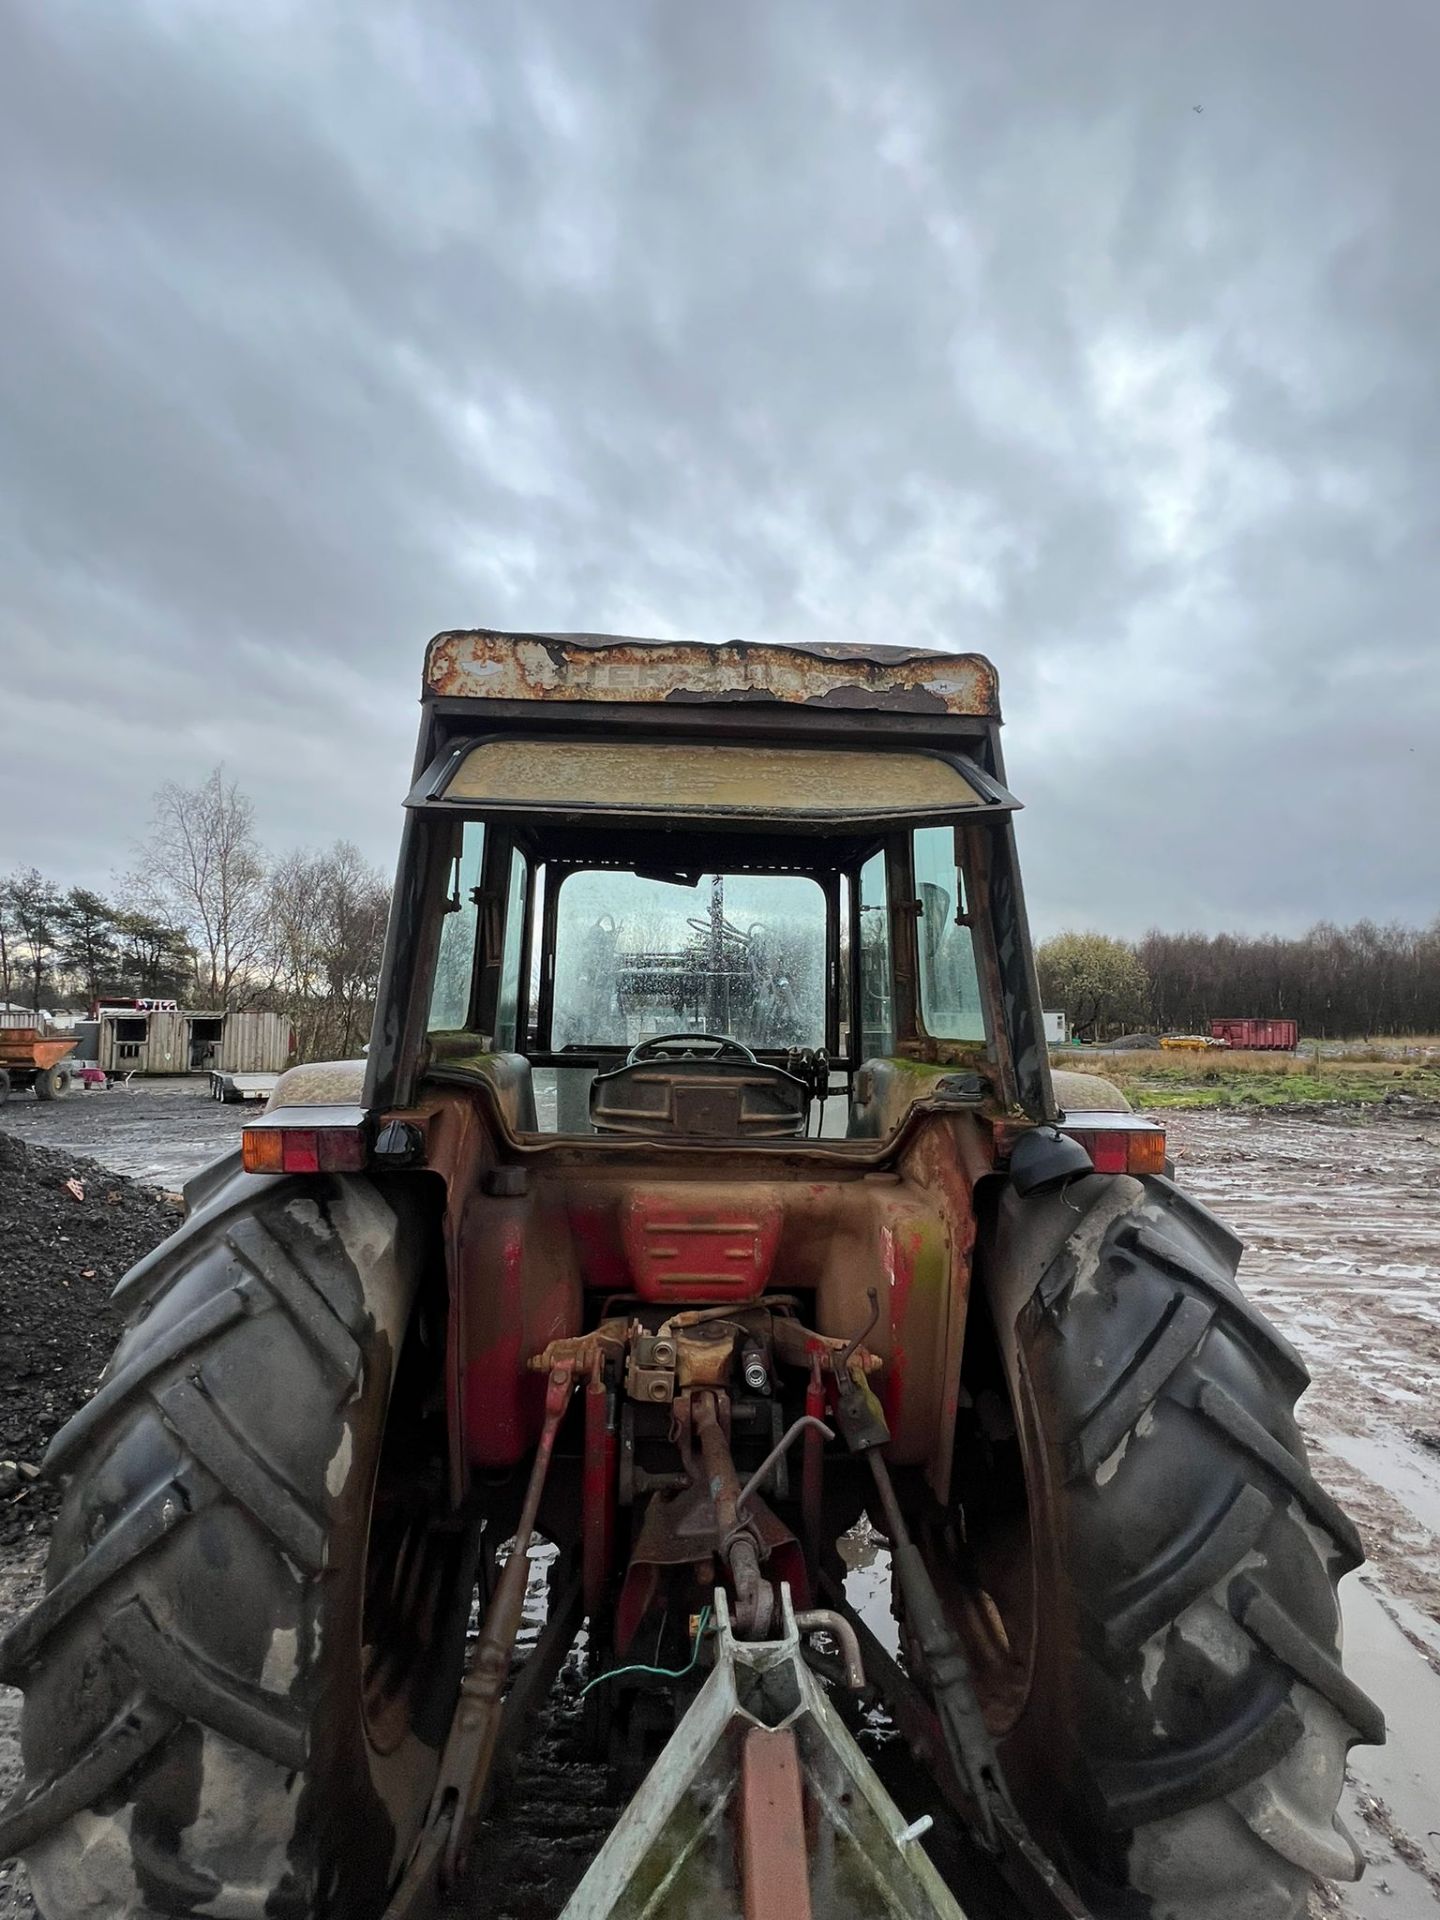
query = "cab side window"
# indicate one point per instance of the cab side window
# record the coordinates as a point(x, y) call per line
point(951, 1004)
point(455, 960)
point(517, 903)
point(875, 962)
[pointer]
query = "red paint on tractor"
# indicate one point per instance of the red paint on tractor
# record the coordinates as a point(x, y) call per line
point(897, 1273)
point(812, 1471)
point(521, 1292)
point(597, 1244)
point(525, 1262)
point(702, 1253)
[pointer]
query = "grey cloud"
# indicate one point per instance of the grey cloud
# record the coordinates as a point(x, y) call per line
point(329, 327)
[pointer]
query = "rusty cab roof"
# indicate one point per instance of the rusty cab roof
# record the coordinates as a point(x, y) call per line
point(903, 707)
point(484, 665)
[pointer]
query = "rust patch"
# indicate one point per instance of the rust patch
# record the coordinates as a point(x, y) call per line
point(487, 665)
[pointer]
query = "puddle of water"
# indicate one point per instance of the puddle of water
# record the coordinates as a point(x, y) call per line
point(1404, 1772)
point(866, 1559)
point(1400, 1469)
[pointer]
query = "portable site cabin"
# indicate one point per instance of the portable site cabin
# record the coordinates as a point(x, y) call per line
point(169, 1040)
point(256, 1042)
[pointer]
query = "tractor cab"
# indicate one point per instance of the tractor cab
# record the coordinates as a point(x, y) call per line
point(713, 918)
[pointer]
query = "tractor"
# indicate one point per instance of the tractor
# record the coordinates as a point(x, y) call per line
point(705, 1198)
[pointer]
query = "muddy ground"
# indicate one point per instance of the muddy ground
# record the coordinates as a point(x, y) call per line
point(158, 1132)
point(1341, 1214)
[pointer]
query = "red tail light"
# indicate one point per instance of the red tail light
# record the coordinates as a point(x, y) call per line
point(1115, 1142)
point(1127, 1152)
point(303, 1149)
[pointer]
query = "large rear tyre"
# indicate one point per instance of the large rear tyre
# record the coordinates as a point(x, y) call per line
point(1170, 1709)
point(248, 1650)
point(52, 1083)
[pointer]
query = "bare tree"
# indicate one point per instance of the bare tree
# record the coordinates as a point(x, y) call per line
point(296, 926)
point(202, 869)
point(358, 904)
point(1334, 980)
point(327, 928)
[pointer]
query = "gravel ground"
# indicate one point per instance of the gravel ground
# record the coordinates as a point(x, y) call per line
point(1341, 1215)
point(158, 1132)
point(69, 1228)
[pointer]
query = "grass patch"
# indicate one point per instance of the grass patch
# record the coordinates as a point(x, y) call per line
point(1159, 1080)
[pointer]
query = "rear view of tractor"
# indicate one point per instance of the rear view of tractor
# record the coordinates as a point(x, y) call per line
point(705, 1191)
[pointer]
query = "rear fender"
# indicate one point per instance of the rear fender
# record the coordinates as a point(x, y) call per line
point(1026, 1236)
point(1087, 1093)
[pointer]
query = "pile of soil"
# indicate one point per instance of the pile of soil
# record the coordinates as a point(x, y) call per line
point(60, 1256)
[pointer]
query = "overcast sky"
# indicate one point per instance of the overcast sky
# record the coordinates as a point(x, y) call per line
point(1099, 338)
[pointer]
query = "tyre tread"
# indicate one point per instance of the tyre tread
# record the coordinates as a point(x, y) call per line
point(202, 1323)
point(177, 1673)
point(1265, 1620)
point(1174, 1337)
point(280, 1273)
point(139, 1727)
point(1134, 1793)
point(200, 1422)
point(126, 1542)
point(250, 1337)
point(1168, 1586)
point(1139, 1305)
point(1220, 1284)
point(1244, 1431)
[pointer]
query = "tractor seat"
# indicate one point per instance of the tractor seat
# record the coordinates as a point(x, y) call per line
point(699, 1086)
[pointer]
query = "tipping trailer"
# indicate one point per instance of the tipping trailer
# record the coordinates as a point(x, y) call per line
point(705, 1190)
point(36, 1058)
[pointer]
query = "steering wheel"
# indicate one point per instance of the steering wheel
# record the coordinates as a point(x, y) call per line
point(689, 1046)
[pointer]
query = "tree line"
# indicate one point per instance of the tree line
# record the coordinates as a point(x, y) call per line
point(205, 916)
point(1336, 982)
